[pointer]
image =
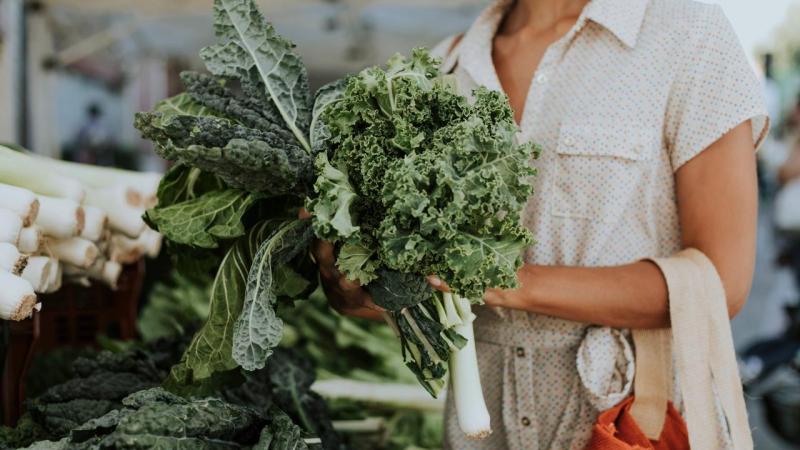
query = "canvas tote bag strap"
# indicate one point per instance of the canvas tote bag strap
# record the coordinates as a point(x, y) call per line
point(704, 355)
point(652, 383)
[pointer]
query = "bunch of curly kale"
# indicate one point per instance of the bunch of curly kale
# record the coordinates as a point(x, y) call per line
point(405, 175)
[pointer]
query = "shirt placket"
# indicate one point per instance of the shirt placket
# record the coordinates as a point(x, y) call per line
point(546, 73)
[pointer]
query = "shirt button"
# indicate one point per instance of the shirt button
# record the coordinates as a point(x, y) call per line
point(520, 352)
point(569, 141)
point(541, 78)
point(526, 422)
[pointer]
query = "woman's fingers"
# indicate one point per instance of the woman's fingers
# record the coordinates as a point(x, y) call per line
point(438, 284)
point(303, 214)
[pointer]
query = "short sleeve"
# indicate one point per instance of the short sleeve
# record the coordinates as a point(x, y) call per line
point(714, 91)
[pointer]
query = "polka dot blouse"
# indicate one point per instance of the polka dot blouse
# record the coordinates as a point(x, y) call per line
point(635, 90)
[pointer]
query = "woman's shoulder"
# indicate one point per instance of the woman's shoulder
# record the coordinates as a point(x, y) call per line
point(445, 46)
point(685, 18)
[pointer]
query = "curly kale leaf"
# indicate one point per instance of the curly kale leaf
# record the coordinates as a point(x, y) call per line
point(258, 329)
point(254, 53)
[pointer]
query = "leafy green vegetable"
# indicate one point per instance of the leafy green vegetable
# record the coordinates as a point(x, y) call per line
point(211, 347)
point(259, 329)
point(205, 220)
point(173, 309)
point(255, 54)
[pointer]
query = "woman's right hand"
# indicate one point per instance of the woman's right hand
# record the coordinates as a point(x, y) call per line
point(345, 296)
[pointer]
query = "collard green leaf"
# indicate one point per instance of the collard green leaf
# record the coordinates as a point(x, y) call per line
point(205, 220)
point(258, 329)
point(253, 52)
point(211, 347)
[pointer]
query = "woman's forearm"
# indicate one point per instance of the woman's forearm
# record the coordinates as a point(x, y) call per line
point(629, 296)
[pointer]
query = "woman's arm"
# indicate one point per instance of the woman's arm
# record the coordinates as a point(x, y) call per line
point(717, 203)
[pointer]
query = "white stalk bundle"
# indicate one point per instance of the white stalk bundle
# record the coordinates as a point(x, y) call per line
point(17, 299)
point(11, 260)
point(60, 218)
point(20, 201)
point(151, 240)
point(39, 272)
point(142, 186)
point(26, 171)
point(10, 226)
point(122, 217)
point(96, 222)
point(125, 250)
point(56, 277)
point(30, 240)
point(76, 251)
point(104, 271)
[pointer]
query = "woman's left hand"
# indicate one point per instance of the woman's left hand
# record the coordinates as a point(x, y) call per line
point(505, 298)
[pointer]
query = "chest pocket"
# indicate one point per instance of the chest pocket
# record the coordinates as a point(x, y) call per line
point(601, 171)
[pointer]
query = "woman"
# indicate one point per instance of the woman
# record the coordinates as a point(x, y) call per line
point(648, 115)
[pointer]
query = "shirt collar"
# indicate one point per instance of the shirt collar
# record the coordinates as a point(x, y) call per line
point(621, 17)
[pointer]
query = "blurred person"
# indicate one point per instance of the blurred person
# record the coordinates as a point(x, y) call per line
point(648, 113)
point(790, 169)
point(92, 142)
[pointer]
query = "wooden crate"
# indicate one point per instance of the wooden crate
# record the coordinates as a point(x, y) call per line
point(72, 317)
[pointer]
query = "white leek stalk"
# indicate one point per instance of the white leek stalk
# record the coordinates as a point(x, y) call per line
point(121, 216)
point(17, 299)
point(60, 218)
point(151, 241)
point(125, 250)
point(11, 260)
point(25, 171)
point(104, 271)
point(39, 273)
point(20, 201)
point(143, 184)
point(10, 226)
point(76, 251)
point(96, 221)
point(465, 380)
point(30, 239)
point(56, 277)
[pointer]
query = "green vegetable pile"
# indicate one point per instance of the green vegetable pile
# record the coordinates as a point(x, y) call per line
point(113, 400)
point(403, 174)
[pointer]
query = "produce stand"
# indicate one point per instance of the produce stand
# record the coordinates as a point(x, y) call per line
point(72, 317)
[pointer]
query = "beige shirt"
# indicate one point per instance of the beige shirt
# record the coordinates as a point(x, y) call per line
point(635, 90)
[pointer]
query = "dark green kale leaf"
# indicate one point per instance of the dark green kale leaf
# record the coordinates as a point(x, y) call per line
point(393, 290)
point(259, 329)
point(291, 377)
point(211, 347)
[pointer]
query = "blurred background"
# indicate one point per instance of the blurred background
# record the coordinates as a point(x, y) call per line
point(74, 72)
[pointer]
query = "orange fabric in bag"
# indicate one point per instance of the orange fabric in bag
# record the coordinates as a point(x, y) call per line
point(616, 429)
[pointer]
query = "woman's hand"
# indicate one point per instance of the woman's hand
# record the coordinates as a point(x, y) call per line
point(345, 296)
point(519, 298)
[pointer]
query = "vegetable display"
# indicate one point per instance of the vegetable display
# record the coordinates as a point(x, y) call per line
point(52, 226)
point(403, 174)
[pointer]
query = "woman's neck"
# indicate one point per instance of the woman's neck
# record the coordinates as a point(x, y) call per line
point(540, 15)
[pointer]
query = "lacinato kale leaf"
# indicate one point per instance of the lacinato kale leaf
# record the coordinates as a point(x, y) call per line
point(258, 329)
point(211, 347)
